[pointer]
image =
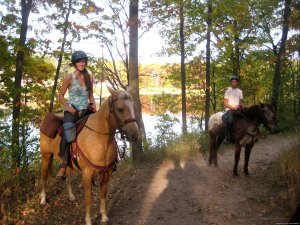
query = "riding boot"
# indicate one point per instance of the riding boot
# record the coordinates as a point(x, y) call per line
point(227, 139)
point(63, 155)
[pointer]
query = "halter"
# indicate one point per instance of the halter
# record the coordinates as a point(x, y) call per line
point(112, 111)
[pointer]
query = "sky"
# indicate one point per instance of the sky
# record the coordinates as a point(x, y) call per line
point(149, 45)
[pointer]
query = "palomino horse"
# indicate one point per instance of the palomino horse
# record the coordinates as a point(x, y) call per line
point(245, 130)
point(97, 145)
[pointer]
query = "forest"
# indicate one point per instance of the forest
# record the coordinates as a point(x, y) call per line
point(258, 41)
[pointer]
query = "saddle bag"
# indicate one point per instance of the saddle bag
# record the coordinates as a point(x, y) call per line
point(50, 125)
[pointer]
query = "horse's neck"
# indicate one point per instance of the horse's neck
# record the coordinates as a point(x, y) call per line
point(253, 114)
point(102, 120)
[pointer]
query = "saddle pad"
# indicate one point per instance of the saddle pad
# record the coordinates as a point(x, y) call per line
point(50, 125)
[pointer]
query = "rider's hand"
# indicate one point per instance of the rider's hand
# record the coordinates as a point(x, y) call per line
point(71, 109)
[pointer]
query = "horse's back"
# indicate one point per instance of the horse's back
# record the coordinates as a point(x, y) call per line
point(215, 121)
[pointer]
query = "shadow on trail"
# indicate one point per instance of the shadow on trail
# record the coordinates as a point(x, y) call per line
point(176, 204)
point(166, 197)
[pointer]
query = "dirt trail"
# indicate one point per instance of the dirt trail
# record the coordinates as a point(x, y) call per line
point(185, 192)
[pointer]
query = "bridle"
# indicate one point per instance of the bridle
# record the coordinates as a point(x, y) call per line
point(112, 111)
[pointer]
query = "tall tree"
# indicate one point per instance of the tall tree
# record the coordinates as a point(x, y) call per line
point(207, 86)
point(277, 85)
point(133, 24)
point(61, 53)
point(25, 11)
point(182, 66)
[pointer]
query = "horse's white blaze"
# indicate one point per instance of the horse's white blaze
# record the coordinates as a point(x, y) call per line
point(131, 109)
point(215, 120)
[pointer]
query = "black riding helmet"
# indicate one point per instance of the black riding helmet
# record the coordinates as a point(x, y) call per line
point(234, 78)
point(78, 55)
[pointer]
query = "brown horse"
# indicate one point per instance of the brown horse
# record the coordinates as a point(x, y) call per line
point(97, 145)
point(245, 131)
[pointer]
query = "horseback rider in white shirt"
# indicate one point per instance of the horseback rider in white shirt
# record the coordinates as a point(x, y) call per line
point(233, 100)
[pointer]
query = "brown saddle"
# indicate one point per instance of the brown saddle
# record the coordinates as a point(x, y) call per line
point(53, 124)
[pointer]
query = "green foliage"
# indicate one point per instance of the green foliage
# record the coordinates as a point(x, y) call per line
point(165, 130)
point(180, 148)
point(166, 102)
point(5, 137)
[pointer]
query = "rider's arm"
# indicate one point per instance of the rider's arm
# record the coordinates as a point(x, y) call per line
point(227, 105)
point(241, 104)
point(91, 94)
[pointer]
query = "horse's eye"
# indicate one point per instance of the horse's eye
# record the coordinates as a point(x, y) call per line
point(120, 110)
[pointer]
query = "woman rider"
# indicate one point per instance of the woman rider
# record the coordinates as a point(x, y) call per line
point(80, 88)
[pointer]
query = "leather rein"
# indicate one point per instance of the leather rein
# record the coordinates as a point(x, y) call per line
point(121, 124)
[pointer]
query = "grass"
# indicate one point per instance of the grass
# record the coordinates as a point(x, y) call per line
point(289, 166)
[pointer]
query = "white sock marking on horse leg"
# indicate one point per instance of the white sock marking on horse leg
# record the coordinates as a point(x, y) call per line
point(104, 217)
point(69, 189)
point(43, 197)
point(88, 220)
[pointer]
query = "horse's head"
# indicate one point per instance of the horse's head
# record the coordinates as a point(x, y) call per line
point(268, 114)
point(122, 107)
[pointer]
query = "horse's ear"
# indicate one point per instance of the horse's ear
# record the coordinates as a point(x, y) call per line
point(112, 91)
point(128, 89)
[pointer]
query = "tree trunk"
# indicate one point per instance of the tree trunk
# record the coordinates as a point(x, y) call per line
point(133, 81)
point(236, 54)
point(207, 88)
point(62, 50)
point(182, 71)
point(277, 83)
point(25, 10)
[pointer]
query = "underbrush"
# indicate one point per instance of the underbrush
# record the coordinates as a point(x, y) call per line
point(16, 189)
point(289, 166)
point(187, 146)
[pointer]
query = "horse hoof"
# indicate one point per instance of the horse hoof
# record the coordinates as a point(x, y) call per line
point(88, 221)
point(43, 202)
point(104, 218)
point(43, 199)
point(72, 198)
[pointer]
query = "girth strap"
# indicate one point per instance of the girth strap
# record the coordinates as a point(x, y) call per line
point(102, 169)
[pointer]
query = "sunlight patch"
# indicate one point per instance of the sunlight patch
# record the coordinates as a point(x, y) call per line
point(155, 189)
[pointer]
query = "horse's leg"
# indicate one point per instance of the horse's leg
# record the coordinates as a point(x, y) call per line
point(236, 158)
point(69, 187)
point(217, 146)
point(46, 164)
point(87, 185)
point(248, 149)
point(212, 141)
point(213, 148)
point(103, 193)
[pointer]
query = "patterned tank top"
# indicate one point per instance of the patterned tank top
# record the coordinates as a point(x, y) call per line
point(78, 95)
